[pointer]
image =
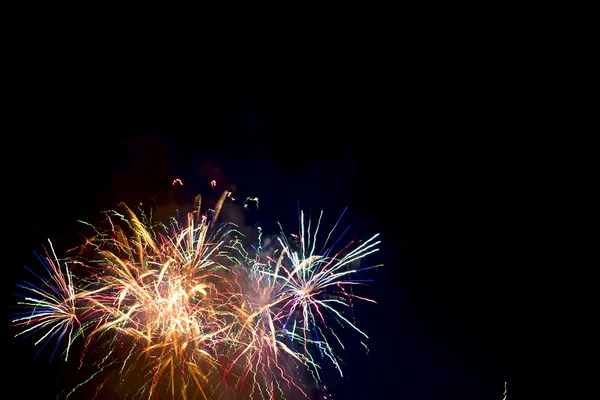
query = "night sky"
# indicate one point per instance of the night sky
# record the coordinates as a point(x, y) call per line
point(447, 325)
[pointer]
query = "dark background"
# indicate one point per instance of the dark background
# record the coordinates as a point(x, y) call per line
point(450, 325)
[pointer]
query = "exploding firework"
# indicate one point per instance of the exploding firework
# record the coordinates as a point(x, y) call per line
point(188, 311)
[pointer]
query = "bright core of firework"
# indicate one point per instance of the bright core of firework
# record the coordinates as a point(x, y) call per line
point(191, 311)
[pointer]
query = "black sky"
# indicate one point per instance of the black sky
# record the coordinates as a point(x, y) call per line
point(447, 326)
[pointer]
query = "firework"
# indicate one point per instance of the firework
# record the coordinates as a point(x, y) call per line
point(187, 310)
point(53, 304)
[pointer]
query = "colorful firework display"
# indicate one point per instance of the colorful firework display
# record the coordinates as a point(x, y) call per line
point(188, 310)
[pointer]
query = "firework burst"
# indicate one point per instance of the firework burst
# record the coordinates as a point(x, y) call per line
point(188, 312)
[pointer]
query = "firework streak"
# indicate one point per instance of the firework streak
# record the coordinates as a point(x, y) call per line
point(188, 311)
